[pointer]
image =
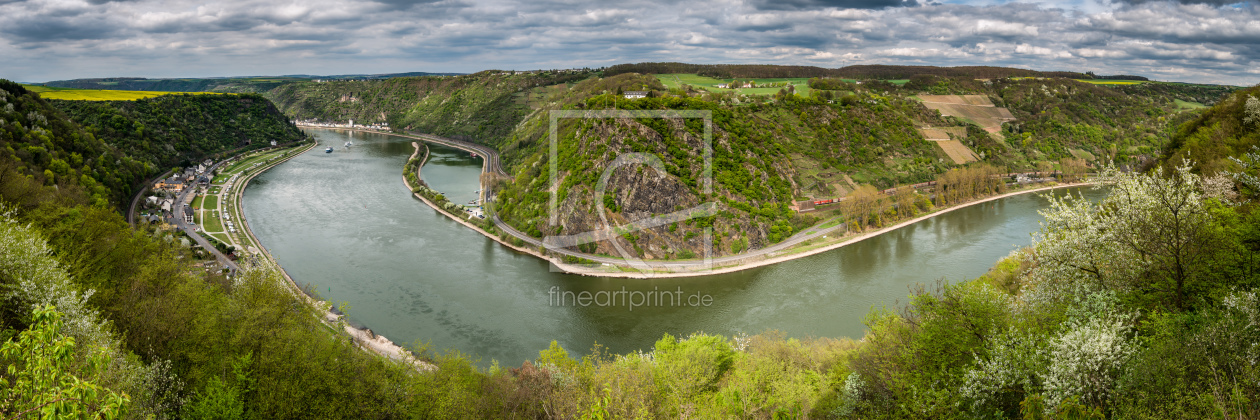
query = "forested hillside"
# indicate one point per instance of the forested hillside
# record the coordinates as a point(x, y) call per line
point(178, 130)
point(102, 321)
point(762, 156)
point(1142, 306)
point(727, 71)
point(770, 150)
point(1218, 134)
point(484, 107)
point(40, 143)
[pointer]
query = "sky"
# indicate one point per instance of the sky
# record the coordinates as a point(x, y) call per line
point(1190, 41)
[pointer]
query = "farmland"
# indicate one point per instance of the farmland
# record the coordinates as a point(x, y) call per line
point(973, 108)
point(93, 94)
point(710, 84)
point(1111, 82)
point(957, 151)
point(676, 80)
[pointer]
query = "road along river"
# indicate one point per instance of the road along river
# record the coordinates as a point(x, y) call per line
point(344, 223)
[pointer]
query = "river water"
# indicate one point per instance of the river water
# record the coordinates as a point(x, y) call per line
point(344, 223)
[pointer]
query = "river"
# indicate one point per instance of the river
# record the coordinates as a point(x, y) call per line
point(345, 223)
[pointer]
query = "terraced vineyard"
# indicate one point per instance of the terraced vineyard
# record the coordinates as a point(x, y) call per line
point(975, 108)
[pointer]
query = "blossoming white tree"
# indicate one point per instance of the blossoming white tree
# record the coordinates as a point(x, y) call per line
point(1152, 237)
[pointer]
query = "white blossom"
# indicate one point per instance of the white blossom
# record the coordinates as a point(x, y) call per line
point(1250, 161)
point(1150, 233)
point(1252, 111)
point(1015, 361)
point(1086, 359)
point(850, 394)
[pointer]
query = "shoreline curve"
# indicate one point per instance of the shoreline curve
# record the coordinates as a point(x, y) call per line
point(769, 259)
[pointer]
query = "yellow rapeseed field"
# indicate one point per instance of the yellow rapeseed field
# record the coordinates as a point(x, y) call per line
point(97, 94)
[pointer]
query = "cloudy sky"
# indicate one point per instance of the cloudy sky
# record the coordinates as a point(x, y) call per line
point(1192, 41)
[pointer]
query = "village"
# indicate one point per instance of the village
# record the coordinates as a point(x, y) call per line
point(203, 202)
point(315, 122)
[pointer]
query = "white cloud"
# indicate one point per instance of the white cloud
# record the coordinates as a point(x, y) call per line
point(1005, 29)
point(58, 39)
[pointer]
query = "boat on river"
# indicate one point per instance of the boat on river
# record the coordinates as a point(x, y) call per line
point(328, 150)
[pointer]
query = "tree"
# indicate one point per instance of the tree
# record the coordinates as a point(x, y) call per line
point(44, 380)
point(1073, 168)
point(862, 203)
point(1252, 115)
point(905, 198)
point(1154, 238)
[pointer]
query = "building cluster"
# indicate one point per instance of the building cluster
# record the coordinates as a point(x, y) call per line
point(349, 124)
point(188, 178)
point(166, 202)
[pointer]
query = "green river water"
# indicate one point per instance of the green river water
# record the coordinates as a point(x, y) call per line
point(345, 223)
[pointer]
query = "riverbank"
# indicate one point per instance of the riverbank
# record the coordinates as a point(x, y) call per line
point(804, 246)
point(365, 338)
point(795, 253)
point(457, 218)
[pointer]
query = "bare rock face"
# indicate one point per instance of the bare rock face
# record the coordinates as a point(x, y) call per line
point(637, 192)
point(642, 192)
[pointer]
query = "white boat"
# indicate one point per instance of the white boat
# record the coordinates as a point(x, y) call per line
point(348, 144)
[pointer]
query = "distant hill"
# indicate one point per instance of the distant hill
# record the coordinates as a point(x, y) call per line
point(1228, 129)
point(244, 84)
point(484, 107)
point(727, 71)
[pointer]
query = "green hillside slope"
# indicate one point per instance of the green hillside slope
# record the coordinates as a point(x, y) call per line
point(39, 142)
point(176, 130)
point(1226, 130)
point(769, 151)
point(484, 107)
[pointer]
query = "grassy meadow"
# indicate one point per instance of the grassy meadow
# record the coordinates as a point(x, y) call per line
point(1188, 106)
point(1111, 82)
point(708, 83)
point(676, 80)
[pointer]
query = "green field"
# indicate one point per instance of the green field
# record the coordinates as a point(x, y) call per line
point(42, 89)
point(245, 164)
point(1183, 105)
point(710, 84)
point(211, 223)
point(221, 237)
point(676, 80)
point(211, 202)
point(1110, 82)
